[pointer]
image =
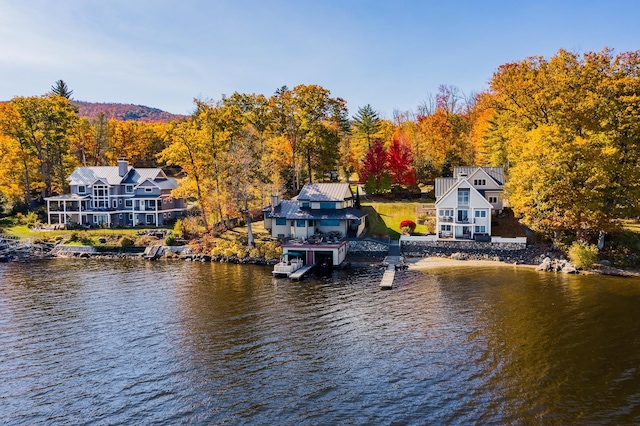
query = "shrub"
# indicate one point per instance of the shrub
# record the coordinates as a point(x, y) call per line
point(407, 226)
point(583, 255)
point(170, 240)
point(125, 241)
point(178, 227)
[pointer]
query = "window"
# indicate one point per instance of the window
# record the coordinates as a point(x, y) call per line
point(479, 182)
point(120, 201)
point(82, 189)
point(463, 216)
point(493, 200)
point(463, 197)
point(131, 216)
point(481, 213)
point(301, 223)
point(445, 227)
point(305, 204)
point(481, 229)
point(148, 190)
point(152, 203)
point(115, 204)
point(281, 221)
point(120, 216)
point(329, 222)
point(128, 189)
point(446, 212)
point(128, 203)
point(327, 205)
point(150, 219)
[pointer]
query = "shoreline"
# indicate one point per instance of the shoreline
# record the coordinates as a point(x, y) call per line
point(437, 262)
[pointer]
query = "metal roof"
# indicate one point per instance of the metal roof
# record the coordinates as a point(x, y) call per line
point(289, 209)
point(443, 185)
point(325, 192)
point(497, 173)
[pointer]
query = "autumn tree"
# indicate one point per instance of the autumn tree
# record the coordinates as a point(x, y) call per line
point(400, 160)
point(573, 132)
point(374, 169)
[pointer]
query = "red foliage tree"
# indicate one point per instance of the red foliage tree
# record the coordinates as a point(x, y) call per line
point(401, 163)
point(375, 162)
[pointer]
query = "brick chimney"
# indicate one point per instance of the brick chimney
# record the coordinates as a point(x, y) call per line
point(123, 166)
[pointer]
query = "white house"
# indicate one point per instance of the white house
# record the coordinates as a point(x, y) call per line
point(466, 202)
point(116, 196)
point(317, 222)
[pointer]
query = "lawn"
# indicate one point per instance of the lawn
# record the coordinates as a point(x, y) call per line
point(385, 217)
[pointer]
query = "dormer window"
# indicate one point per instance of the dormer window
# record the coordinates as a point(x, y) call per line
point(128, 189)
point(148, 190)
point(82, 189)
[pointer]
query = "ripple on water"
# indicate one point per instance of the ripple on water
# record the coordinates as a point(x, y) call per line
point(87, 342)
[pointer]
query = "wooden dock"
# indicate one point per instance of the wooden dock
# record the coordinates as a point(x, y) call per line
point(389, 275)
point(297, 275)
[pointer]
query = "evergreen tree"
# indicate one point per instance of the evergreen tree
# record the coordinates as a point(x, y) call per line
point(60, 88)
point(367, 123)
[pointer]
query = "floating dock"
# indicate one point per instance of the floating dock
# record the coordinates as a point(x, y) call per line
point(392, 263)
point(298, 274)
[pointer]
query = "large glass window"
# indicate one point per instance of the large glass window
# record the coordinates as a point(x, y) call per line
point(327, 205)
point(301, 223)
point(281, 221)
point(463, 197)
point(329, 222)
point(463, 216)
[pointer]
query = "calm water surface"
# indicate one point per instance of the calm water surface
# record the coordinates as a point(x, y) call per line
point(127, 342)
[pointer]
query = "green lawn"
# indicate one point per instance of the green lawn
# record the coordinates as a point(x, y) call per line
point(385, 217)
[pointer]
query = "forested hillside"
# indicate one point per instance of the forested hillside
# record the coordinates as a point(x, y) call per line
point(125, 112)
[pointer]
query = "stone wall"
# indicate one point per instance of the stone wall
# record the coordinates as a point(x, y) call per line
point(420, 247)
point(367, 248)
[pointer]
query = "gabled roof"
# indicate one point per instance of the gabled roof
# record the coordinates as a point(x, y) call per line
point(443, 185)
point(455, 186)
point(111, 175)
point(88, 175)
point(496, 173)
point(325, 192)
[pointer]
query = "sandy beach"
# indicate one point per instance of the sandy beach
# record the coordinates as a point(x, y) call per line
point(445, 262)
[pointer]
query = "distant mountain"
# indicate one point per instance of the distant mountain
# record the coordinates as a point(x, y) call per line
point(126, 112)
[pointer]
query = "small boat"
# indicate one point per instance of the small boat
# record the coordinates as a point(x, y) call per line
point(288, 264)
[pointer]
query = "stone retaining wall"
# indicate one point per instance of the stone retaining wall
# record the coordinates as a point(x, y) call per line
point(419, 247)
point(367, 248)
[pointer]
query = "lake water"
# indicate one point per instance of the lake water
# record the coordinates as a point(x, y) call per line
point(131, 342)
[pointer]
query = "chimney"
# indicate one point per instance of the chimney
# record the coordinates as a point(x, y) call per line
point(123, 166)
point(275, 201)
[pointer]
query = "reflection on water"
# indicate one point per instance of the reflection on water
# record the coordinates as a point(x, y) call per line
point(87, 342)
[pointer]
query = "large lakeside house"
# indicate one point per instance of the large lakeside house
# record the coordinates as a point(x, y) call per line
point(466, 202)
point(316, 224)
point(116, 196)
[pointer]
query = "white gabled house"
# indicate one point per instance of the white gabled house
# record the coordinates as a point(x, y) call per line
point(317, 222)
point(466, 202)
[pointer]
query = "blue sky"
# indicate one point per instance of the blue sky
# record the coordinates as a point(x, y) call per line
point(390, 54)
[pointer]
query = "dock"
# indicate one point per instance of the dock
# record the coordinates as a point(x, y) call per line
point(392, 262)
point(298, 274)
